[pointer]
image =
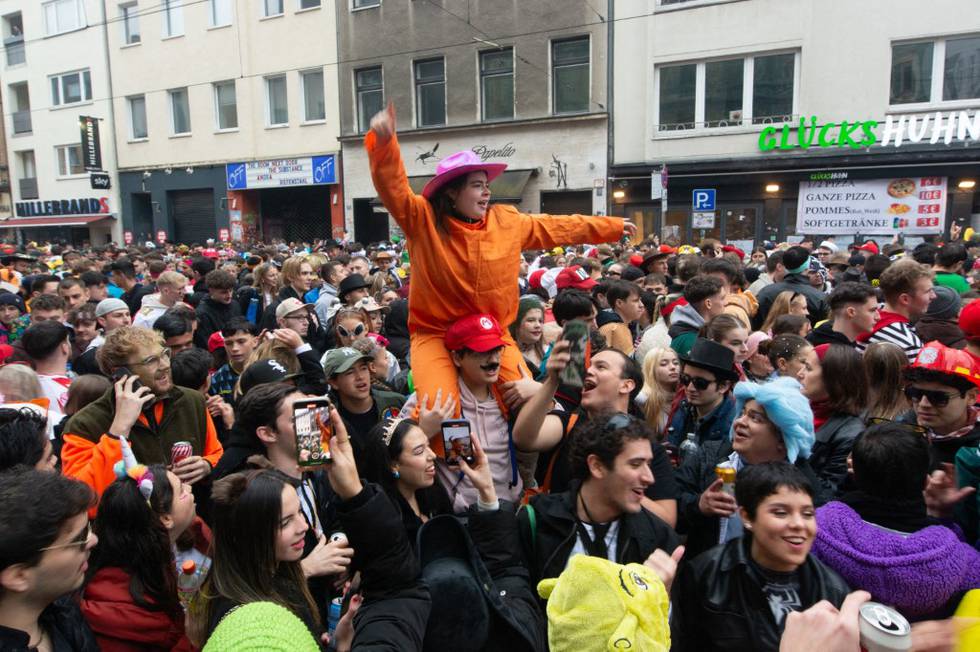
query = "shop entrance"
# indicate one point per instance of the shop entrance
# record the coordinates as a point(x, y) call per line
point(298, 214)
point(566, 202)
point(142, 216)
point(192, 214)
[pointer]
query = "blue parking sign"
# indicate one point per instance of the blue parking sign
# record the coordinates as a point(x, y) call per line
point(703, 199)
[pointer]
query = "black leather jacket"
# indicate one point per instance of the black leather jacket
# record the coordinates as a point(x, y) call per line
point(718, 604)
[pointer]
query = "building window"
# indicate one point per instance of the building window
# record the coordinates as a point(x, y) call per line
point(180, 111)
point(369, 87)
point(364, 4)
point(173, 18)
point(137, 117)
point(716, 94)
point(63, 16)
point(497, 84)
point(225, 105)
point(25, 162)
point(314, 106)
point(570, 75)
point(129, 17)
point(430, 92)
point(71, 88)
point(275, 90)
point(929, 72)
point(219, 13)
point(271, 8)
point(308, 4)
point(70, 160)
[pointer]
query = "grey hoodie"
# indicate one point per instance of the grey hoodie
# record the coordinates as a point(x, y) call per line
point(685, 319)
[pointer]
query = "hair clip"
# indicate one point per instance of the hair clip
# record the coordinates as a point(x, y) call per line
point(389, 430)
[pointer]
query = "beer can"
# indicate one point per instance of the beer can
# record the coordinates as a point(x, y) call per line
point(181, 451)
point(883, 629)
point(727, 475)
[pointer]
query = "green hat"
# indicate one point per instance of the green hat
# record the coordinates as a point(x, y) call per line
point(261, 626)
point(337, 361)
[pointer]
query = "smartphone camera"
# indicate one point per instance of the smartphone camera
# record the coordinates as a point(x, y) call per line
point(456, 439)
point(311, 422)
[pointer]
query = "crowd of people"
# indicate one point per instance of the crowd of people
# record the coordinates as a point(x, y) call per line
point(760, 443)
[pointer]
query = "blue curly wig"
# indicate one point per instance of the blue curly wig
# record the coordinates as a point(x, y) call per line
point(786, 407)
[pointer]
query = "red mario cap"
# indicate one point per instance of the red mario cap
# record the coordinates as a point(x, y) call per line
point(935, 356)
point(480, 333)
point(869, 246)
point(574, 277)
point(970, 320)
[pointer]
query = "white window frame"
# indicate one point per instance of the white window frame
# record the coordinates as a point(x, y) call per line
point(229, 11)
point(354, 7)
point(268, 101)
point(58, 102)
point(61, 157)
point(301, 8)
point(936, 100)
point(173, 114)
point(357, 96)
point(217, 105)
point(22, 170)
point(689, 4)
point(50, 30)
point(748, 87)
point(171, 18)
point(302, 83)
point(129, 17)
point(132, 122)
point(264, 8)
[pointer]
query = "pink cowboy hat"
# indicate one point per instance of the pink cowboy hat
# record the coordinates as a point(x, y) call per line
point(457, 165)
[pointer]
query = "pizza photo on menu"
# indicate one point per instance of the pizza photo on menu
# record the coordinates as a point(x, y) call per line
point(901, 188)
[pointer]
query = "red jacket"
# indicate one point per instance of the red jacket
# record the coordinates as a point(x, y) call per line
point(120, 625)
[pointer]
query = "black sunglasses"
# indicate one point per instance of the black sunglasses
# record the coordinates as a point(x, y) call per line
point(700, 384)
point(936, 397)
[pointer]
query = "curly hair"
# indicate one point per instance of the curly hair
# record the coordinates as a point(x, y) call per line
point(120, 344)
point(599, 437)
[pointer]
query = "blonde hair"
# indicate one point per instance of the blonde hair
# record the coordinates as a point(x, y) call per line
point(120, 343)
point(172, 280)
point(259, 275)
point(781, 305)
point(19, 383)
point(658, 398)
point(291, 268)
point(270, 350)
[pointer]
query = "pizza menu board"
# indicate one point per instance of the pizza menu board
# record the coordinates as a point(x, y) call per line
point(908, 205)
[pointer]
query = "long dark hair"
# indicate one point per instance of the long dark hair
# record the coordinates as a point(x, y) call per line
point(443, 205)
point(132, 537)
point(246, 516)
point(840, 368)
point(378, 459)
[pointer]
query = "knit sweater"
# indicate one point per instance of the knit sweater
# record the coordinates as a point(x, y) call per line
point(918, 573)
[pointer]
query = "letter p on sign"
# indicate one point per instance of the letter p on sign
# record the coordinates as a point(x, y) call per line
point(703, 199)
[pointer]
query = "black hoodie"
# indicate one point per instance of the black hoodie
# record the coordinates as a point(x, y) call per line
point(825, 334)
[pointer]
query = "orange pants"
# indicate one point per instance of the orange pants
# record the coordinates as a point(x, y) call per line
point(433, 369)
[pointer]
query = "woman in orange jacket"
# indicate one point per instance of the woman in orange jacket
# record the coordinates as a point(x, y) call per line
point(465, 252)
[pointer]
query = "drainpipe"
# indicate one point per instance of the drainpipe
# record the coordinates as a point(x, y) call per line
point(112, 118)
point(610, 103)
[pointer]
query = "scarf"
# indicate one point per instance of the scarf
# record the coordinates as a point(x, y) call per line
point(904, 515)
point(821, 413)
point(972, 416)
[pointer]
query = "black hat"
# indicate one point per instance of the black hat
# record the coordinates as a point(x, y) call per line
point(264, 371)
point(713, 357)
point(351, 283)
point(9, 260)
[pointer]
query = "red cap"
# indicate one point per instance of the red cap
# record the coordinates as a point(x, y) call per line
point(935, 356)
point(669, 308)
point(667, 249)
point(216, 341)
point(636, 260)
point(534, 280)
point(480, 333)
point(970, 319)
point(574, 277)
point(210, 252)
point(733, 249)
point(869, 246)
point(5, 352)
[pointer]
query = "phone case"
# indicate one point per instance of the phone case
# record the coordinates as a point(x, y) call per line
point(311, 422)
point(577, 335)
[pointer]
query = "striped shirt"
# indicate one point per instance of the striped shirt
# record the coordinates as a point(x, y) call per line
point(901, 334)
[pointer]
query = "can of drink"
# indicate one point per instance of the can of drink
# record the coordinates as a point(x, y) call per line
point(883, 629)
point(727, 475)
point(181, 451)
point(333, 614)
point(338, 536)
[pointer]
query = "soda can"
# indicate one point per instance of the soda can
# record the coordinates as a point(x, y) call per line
point(181, 451)
point(727, 475)
point(883, 629)
point(338, 536)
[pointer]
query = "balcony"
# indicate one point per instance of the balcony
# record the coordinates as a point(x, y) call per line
point(22, 122)
point(14, 47)
point(28, 188)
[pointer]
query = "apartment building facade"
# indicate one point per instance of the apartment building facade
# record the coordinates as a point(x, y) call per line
point(522, 83)
point(54, 82)
point(777, 118)
point(227, 119)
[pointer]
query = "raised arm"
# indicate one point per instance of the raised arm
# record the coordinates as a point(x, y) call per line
point(535, 429)
point(547, 231)
point(388, 173)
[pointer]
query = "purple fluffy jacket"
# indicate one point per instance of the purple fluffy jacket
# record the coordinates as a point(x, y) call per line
point(917, 573)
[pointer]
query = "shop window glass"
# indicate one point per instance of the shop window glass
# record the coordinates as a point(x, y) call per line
point(772, 88)
point(961, 78)
point(137, 116)
point(180, 111)
point(677, 92)
point(911, 73)
point(278, 108)
point(723, 92)
point(226, 105)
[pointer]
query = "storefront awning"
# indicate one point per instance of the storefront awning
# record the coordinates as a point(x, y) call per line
point(507, 188)
point(37, 222)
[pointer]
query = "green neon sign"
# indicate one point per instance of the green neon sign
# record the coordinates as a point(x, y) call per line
point(853, 135)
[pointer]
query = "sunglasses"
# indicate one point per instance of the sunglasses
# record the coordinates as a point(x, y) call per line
point(911, 427)
point(357, 332)
point(700, 384)
point(81, 540)
point(936, 397)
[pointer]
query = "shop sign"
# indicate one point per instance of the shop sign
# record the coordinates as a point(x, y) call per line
point(128, 237)
point(486, 153)
point(100, 180)
point(703, 220)
point(91, 142)
point(51, 207)
point(810, 133)
point(223, 235)
point(827, 176)
point(909, 205)
point(280, 173)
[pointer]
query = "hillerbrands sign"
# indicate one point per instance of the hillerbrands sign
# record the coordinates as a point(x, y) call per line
point(931, 128)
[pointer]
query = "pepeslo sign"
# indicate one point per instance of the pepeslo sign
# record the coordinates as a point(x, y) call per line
point(895, 130)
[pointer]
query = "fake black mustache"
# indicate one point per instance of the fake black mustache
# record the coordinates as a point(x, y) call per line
point(493, 366)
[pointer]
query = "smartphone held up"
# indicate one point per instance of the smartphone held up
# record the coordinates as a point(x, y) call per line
point(457, 442)
point(311, 423)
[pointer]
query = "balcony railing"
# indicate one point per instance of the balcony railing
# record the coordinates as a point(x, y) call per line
point(14, 46)
point(22, 122)
point(28, 188)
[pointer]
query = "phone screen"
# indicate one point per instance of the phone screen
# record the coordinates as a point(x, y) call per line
point(576, 333)
point(456, 441)
point(311, 422)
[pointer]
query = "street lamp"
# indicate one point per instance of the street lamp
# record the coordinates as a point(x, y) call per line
point(772, 187)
